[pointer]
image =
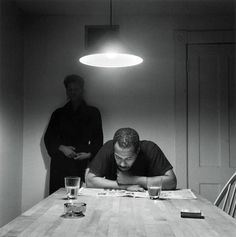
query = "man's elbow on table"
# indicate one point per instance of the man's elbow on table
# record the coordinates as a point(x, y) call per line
point(171, 182)
point(89, 177)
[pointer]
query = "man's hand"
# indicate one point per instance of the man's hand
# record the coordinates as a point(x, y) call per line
point(135, 188)
point(68, 151)
point(82, 156)
point(126, 178)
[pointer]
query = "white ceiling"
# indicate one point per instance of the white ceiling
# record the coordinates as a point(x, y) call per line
point(139, 7)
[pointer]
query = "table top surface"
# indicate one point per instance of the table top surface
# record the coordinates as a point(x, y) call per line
point(121, 216)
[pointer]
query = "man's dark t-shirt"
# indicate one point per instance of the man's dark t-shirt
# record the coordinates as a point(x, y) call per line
point(150, 161)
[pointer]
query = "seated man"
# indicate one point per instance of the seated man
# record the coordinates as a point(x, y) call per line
point(128, 163)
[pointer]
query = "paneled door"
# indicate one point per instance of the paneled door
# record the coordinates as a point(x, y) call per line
point(211, 116)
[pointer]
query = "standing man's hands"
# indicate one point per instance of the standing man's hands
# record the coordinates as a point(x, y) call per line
point(68, 151)
point(135, 188)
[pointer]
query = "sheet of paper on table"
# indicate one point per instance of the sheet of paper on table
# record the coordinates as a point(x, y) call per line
point(175, 194)
point(178, 194)
point(110, 193)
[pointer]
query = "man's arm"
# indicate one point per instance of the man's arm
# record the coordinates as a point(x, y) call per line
point(93, 181)
point(168, 180)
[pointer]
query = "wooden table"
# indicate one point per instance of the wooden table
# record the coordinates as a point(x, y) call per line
point(121, 216)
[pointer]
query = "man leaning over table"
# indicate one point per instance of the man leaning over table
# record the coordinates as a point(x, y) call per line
point(128, 163)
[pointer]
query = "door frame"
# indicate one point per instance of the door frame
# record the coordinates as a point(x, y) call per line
point(182, 39)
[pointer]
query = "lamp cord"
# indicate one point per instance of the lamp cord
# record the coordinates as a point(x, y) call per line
point(110, 12)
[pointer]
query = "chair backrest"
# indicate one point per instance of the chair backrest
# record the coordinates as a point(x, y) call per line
point(226, 200)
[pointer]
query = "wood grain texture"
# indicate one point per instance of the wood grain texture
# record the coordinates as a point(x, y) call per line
point(121, 216)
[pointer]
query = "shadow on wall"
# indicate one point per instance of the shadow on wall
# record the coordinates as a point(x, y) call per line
point(47, 160)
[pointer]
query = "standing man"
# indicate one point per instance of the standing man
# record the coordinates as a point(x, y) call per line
point(127, 163)
point(74, 135)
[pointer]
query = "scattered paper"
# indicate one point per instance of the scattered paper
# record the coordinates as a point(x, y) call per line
point(173, 194)
point(110, 193)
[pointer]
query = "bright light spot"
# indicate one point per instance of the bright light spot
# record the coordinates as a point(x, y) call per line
point(111, 60)
point(110, 55)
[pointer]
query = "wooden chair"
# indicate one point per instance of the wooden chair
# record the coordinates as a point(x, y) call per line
point(226, 199)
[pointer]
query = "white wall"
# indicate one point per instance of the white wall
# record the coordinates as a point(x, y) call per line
point(141, 97)
point(11, 112)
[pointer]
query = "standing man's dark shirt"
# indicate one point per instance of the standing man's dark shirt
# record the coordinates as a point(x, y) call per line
point(81, 129)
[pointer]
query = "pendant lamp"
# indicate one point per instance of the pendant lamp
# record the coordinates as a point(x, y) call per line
point(104, 48)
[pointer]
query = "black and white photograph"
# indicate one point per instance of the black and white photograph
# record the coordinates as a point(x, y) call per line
point(117, 118)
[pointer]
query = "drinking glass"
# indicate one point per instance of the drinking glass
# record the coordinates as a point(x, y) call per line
point(154, 190)
point(72, 185)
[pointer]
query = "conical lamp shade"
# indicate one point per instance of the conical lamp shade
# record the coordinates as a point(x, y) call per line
point(104, 48)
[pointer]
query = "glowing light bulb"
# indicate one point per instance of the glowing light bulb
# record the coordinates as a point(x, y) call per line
point(111, 55)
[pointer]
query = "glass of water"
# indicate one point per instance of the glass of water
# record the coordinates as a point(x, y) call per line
point(154, 190)
point(72, 185)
